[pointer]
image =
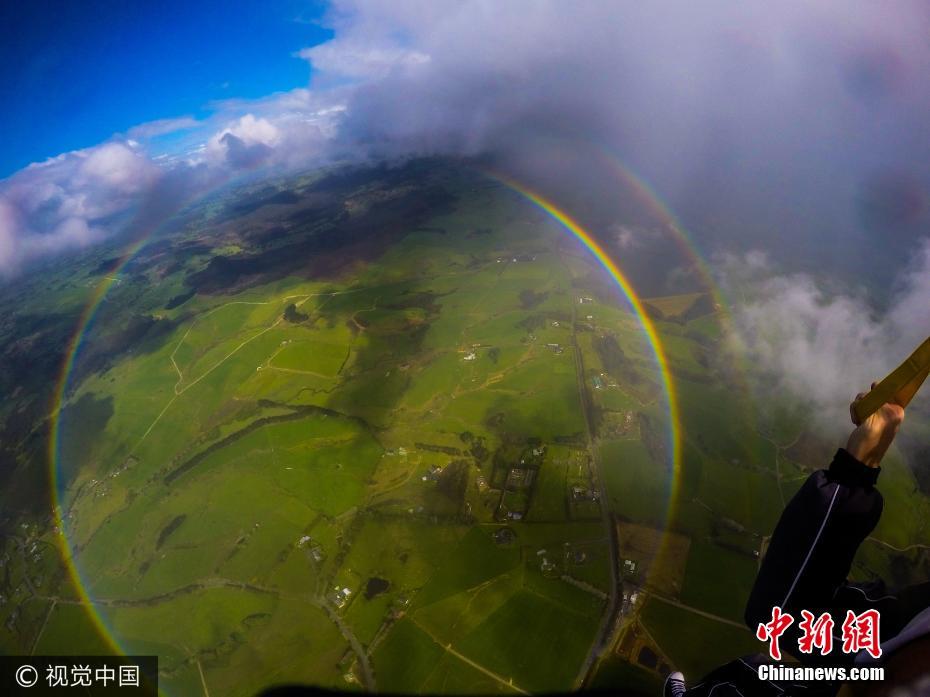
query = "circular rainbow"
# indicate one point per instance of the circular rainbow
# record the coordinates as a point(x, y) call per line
point(72, 351)
point(565, 221)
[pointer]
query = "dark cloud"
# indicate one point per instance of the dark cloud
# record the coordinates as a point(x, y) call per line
point(798, 127)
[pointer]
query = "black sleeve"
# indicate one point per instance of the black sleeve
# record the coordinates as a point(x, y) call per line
point(812, 549)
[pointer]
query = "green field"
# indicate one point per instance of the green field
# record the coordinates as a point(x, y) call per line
point(367, 451)
point(704, 646)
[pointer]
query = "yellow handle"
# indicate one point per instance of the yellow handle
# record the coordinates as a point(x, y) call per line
point(899, 387)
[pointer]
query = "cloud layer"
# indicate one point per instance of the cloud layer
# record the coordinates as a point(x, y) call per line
point(822, 346)
point(798, 127)
point(126, 186)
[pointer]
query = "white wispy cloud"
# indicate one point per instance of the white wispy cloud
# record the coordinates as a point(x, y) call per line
point(162, 127)
point(763, 116)
point(824, 344)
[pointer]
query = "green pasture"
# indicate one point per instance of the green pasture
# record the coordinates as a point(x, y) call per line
point(637, 486)
point(705, 645)
point(717, 580)
point(197, 492)
point(535, 641)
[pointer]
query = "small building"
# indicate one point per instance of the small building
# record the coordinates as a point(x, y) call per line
point(340, 596)
point(581, 494)
point(504, 536)
point(338, 600)
point(520, 478)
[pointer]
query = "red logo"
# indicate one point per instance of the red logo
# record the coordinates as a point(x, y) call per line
point(816, 633)
point(771, 631)
point(860, 632)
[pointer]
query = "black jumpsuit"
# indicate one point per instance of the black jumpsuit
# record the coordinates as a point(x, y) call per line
point(806, 568)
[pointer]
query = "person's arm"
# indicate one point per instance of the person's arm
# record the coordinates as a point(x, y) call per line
point(813, 545)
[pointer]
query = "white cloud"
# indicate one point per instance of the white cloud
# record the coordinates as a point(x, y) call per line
point(824, 345)
point(247, 142)
point(9, 247)
point(162, 127)
point(357, 60)
point(761, 112)
point(117, 166)
point(626, 237)
point(251, 130)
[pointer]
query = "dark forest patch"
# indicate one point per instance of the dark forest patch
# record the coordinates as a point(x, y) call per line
point(453, 480)
point(532, 322)
point(328, 251)
point(446, 449)
point(529, 299)
point(293, 315)
point(178, 300)
point(615, 360)
point(297, 412)
point(278, 198)
point(166, 531)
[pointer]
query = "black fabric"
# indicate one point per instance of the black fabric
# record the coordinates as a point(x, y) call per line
point(812, 549)
point(740, 678)
point(805, 568)
point(847, 470)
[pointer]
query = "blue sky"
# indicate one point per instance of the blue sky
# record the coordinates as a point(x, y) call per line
point(798, 128)
point(77, 72)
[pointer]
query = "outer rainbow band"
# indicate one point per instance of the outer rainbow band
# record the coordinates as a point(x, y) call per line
point(54, 441)
point(647, 324)
point(103, 288)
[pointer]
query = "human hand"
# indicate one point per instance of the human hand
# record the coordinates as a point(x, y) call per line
point(872, 438)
